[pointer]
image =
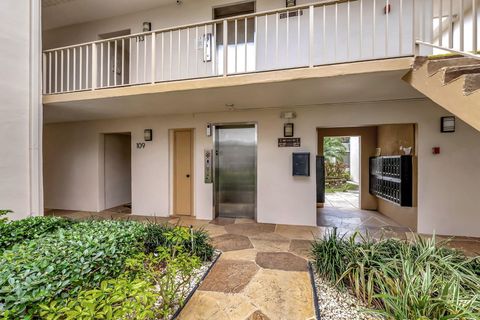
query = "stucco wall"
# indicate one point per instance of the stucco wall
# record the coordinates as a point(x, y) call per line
point(447, 182)
point(19, 108)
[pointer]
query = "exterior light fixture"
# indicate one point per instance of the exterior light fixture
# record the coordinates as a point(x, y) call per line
point(448, 124)
point(148, 134)
point(288, 130)
point(291, 3)
point(147, 26)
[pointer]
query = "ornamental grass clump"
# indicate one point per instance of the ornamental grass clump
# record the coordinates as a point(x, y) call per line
point(421, 279)
point(194, 241)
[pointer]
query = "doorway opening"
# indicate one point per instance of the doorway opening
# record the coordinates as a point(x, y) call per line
point(337, 204)
point(116, 60)
point(241, 37)
point(235, 171)
point(118, 172)
point(183, 172)
point(342, 171)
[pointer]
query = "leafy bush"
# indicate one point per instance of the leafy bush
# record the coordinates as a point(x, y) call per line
point(196, 242)
point(171, 271)
point(115, 299)
point(334, 150)
point(15, 232)
point(418, 280)
point(3, 214)
point(62, 263)
point(152, 287)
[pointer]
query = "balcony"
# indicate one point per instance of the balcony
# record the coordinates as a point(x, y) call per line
point(306, 36)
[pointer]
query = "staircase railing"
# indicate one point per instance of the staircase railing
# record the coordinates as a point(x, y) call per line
point(453, 27)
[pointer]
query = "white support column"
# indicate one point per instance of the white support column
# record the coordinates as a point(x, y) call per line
point(36, 117)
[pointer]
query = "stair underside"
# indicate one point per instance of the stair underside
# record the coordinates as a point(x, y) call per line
point(452, 83)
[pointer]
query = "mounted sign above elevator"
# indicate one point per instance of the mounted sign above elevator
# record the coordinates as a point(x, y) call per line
point(235, 182)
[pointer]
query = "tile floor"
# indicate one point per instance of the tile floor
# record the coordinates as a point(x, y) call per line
point(344, 200)
point(262, 273)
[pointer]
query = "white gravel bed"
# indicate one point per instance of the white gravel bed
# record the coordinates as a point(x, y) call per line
point(196, 279)
point(336, 304)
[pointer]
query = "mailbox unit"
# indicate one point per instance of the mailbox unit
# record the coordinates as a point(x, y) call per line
point(391, 179)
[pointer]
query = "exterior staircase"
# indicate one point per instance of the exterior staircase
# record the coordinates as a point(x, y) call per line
point(452, 82)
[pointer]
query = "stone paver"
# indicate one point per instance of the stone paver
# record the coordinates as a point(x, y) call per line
point(258, 315)
point(246, 254)
point(301, 248)
point(270, 245)
point(281, 261)
point(231, 242)
point(250, 229)
point(282, 294)
point(229, 276)
point(217, 306)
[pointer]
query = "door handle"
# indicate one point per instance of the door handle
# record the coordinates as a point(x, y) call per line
point(188, 176)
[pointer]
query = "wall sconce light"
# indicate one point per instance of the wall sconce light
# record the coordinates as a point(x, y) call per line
point(288, 130)
point(291, 3)
point(448, 124)
point(387, 9)
point(148, 134)
point(147, 26)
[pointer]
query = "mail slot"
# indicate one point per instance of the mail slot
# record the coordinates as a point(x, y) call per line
point(301, 164)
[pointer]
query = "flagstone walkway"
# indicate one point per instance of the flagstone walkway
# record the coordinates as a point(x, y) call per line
point(262, 273)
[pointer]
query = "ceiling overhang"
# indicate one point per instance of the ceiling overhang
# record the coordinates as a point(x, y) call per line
point(336, 84)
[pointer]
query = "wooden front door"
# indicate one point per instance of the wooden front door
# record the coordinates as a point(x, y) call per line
point(183, 177)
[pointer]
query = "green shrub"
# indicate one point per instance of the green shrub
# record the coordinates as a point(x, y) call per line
point(153, 286)
point(3, 214)
point(114, 299)
point(15, 232)
point(171, 271)
point(62, 263)
point(418, 280)
point(196, 242)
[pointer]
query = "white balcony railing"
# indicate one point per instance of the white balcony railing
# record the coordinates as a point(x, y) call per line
point(303, 36)
point(454, 27)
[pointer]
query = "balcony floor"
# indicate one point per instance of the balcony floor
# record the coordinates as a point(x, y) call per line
point(378, 80)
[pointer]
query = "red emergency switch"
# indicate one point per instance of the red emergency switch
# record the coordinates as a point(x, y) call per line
point(436, 150)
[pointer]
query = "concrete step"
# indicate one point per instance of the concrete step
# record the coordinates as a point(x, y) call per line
point(436, 65)
point(452, 73)
point(472, 83)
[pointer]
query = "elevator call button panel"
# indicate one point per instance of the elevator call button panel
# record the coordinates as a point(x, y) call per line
point(208, 159)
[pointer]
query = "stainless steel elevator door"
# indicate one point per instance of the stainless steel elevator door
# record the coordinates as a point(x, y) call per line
point(235, 171)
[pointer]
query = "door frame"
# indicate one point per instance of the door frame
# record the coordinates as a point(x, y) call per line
point(214, 162)
point(192, 173)
point(101, 202)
